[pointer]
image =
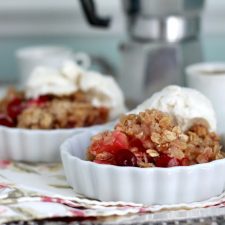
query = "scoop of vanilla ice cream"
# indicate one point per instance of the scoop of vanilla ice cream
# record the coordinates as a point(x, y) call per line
point(103, 90)
point(186, 105)
point(46, 80)
point(71, 71)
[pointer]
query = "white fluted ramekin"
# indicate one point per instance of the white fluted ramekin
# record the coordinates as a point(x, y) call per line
point(140, 185)
point(33, 145)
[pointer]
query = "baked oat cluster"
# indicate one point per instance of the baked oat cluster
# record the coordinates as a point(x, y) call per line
point(152, 139)
point(50, 112)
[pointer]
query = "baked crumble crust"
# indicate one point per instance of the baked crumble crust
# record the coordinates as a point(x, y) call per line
point(52, 112)
point(158, 139)
point(61, 113)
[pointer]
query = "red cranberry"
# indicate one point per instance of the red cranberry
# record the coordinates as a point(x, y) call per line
point(71, 125)
point(166, 161)
point(134, 142)
point(124, 157)
point(6, 121)
point(14, 108)
point(45, 98)
point(38, 101)
point(174, 162)
point(119, 140)
point(115, 141)
point(185, 162)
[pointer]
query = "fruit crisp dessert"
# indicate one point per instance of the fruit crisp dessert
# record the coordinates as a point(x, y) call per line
point(64, 98)
point(152, 138)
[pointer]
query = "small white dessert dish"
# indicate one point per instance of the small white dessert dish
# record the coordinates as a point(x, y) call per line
point(154, 155)
point(34, 145)
point(140, 185)
point(55, 104)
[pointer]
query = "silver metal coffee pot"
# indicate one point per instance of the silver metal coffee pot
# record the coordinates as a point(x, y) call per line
point(163, 38)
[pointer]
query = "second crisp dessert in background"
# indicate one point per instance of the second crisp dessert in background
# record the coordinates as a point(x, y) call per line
point(66, 98)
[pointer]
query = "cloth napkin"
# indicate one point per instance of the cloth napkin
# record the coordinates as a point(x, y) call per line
point(39, 191)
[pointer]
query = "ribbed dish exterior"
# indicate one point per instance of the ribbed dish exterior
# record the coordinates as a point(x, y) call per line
point(140, 185)
point(33, 145)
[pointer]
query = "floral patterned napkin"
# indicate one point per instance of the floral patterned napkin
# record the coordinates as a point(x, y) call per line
point(38, 191)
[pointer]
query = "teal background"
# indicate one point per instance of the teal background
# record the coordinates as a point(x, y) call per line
point(105, 47)
point(213, 48)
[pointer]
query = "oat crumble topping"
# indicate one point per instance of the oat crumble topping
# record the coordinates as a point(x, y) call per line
point(151, 139)
point(50, 112)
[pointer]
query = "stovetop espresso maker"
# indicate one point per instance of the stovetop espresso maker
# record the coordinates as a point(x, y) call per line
point(163, 38)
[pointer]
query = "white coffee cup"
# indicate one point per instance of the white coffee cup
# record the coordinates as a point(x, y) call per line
point(29, 58)
point(209, 78)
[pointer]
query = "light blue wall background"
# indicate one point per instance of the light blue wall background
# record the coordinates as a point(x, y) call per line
point(105, 47)
point(213, 48)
